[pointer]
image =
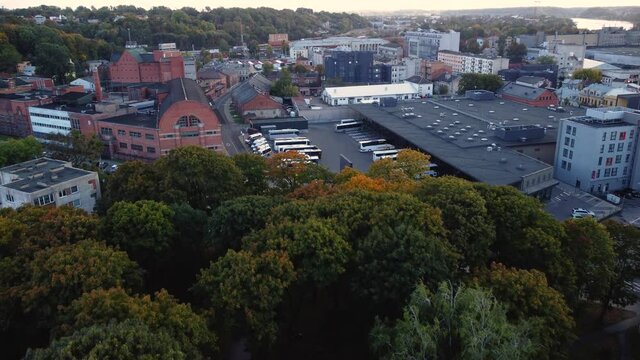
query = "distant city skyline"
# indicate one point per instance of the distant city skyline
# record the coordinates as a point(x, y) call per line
point(328, 5)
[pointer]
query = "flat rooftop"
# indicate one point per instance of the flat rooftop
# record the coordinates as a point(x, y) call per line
point(69, 108)
point(137, 119)
point(623, 50)
point(459, 134)
point(42, 173)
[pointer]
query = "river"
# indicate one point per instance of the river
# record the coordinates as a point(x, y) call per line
point(597, 24)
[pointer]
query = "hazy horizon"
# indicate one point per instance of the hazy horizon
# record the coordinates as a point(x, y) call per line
point(328, 5)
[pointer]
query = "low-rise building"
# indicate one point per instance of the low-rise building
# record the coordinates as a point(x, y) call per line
point(252, 100)
point(462, 63)
point(425, 87)
point(48, 182)
point(597, 152)
point(336, 96)
point(526, 92)
point(390, 51)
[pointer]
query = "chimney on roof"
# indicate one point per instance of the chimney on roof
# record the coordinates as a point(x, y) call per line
point(96, 82)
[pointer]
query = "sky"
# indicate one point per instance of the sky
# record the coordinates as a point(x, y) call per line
point(329, 5)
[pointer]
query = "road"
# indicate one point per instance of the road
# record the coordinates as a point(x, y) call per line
point(231, 131)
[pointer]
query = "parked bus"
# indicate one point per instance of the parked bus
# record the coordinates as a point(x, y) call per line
point(263, 150)
point(373, 145)
point(384, 154)
point(291, 141)
point(251, 138)
point(296, 147)
point(346, 121)
point(283, 134)
point(317, 152)
point(349, 125)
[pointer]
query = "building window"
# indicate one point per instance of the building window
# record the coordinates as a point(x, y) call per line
point(565, 152)
point(189, 134)
point(149, 137)
point(123, 145)
point(135, 134)
point(75, 124)
point(9, 198)
point(614, 171)
point(68, 191)
point(568, 166)
point(573, 142)
point(626, 158)
point(568, 129)
point(624, 171)
point(600, 161)
point(613, 135)
point(106, 131)
point(607, 172)
point(566, 141)
point(122, 132)
point(564, 164)
point(598, 174)
point(186, 121)
point(571, 154)
point(629, 146)
point(631, 135)
point(574, 131)
point(618, 159)
point(601, 149)
point(167, 136)
point(136, 147)
point(211, 132)
point(74, 203)
point(609, 161)
point(620, 147)
point(623, 135)
point(151, 149)
point(44, 200)
point(593, 174)
point(604, 136)
point(612, 147)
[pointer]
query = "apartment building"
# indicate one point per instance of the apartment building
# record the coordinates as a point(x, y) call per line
point(462, 63)
point(425, 44)
point(48, 182)
point(597, 152)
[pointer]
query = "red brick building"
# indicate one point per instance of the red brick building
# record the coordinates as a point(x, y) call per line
point(213, 82)
point(183, 118)
point(137, 66)
point(532, 96)
point(14, 112)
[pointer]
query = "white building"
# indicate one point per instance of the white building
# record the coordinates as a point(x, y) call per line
point(462, 63)
point(86, 82)
point(425, 87)
point(426, 44)
point(346, 95)
point(51, 119)
point(39, 19)
point(44, 181)
point(596, 152)
point(190, 71)
point(302, 48)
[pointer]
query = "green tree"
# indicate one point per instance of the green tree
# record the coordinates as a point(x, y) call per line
point(254, 169)
point(300, 69)
point(443, 90)
point(234, 219)
point(626, 244)
point(267, 68)
point(287, 171)
point(409, 165)
point(590, 248)
point(53, 60)
point(160, 313)
point(453, 323)
point(200, 177)
point(244, 289)
point(130, 339)
point(133, 181)
point(144, 229)
point(527, 296)
point(516, 52)
point(9, 58)
point(283, 87)
point(546, 59)
point(14, 151)
point(61, 274)
point(80, 150)
point(489, 82)
point(465, 216)
point(591, 75)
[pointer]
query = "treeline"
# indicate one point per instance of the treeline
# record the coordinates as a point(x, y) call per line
point(199, 252)
point(190, 28)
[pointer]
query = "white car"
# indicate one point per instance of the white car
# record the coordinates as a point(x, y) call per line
point(578, 213)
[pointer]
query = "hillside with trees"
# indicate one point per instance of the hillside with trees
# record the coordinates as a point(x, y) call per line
point(199, 252)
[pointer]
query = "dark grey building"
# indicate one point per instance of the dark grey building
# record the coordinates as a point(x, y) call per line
point(352, 67)
point(549, 72)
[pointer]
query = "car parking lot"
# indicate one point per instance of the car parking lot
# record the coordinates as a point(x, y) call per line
point(565, 198)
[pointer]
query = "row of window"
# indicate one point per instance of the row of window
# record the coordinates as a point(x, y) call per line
point(133, 134)
point(68, 191)
point(618, 160)
point(566, 165)
point(614, 134)
point(47, 116)
point(571, 130)
point(44, 200)
point(188, 134)
point(137, 147)
point(609, 172)
point(50, 126)
point(612, 147)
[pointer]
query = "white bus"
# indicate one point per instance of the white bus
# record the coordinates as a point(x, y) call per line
point(349, 125)
point(384, 154)
point(291, 141)
point(313, 159)
point(373, 145)
point(296, 147)
point(283, 133)
point(253, 137)
point(317, 152)
point(258, 142)
point(346, 121)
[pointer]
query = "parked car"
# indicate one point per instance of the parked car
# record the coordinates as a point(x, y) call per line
point(578, 213)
